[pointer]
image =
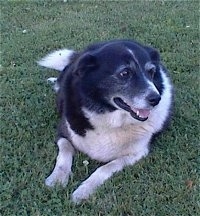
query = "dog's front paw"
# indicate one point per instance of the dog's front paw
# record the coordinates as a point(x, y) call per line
point(81, 193)
point(57, 178)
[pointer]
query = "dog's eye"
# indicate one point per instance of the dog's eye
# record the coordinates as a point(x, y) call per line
point(124, 74)
point(152, 72)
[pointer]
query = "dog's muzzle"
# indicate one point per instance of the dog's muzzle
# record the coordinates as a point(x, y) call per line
point(139, 114)
point(153, 99)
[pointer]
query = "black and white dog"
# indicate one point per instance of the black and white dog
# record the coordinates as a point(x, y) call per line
point(113, 97)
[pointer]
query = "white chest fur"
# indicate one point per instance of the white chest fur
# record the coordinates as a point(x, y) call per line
point(112, 137)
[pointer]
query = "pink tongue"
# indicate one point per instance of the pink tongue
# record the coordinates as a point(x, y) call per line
point(144, 113)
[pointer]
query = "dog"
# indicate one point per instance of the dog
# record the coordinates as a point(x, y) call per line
point(113, 98)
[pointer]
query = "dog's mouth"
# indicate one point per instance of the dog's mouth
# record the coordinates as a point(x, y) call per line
point(139, 114)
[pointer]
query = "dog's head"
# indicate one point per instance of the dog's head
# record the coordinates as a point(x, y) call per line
point(120, 75)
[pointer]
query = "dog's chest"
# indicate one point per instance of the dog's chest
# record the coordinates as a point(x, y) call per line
point(106, 143)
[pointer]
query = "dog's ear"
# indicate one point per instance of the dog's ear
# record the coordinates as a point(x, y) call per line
point(154, 54)
point(86, 62)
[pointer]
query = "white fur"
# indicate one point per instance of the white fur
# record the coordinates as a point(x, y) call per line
point(52, 80)
point(161, 111)
point(140, 101)
point(57, 60)
point(121, 144)
point(63, 165)
point(103, 173)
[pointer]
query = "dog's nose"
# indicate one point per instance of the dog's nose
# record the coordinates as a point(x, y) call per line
point(153, 99)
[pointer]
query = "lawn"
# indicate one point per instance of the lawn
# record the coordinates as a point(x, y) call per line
point(164, 183)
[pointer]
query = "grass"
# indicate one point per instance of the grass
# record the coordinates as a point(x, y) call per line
point(164, 183)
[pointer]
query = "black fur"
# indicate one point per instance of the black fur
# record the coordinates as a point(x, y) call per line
point(92, 76)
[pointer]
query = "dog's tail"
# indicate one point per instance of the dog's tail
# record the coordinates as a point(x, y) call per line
point(57, 60)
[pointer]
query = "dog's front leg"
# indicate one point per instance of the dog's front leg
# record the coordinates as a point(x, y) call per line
point(103, 173)
point(63, 165)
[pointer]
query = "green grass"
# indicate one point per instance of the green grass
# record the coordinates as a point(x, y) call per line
point(164, 183)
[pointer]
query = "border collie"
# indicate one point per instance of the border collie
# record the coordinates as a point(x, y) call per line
point(113, 97)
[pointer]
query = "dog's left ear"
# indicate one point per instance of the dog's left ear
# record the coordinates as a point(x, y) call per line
point(86, 62)
point(154, 54)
